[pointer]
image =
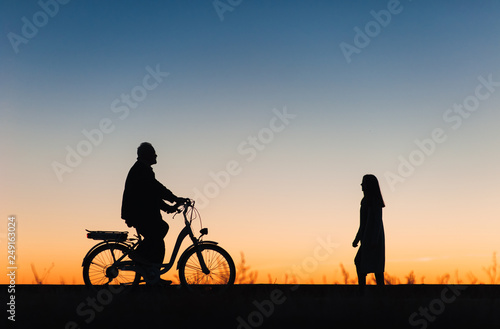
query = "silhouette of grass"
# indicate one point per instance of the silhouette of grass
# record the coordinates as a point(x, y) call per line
point(410, 279)
point(243, 273)
point(291, 279)
point(457, 278)
point(345, 274)
point(40, 279)
point(270, 279)
point(491, 270)
point(391, 280)
point(443, 279)
point(472, 278)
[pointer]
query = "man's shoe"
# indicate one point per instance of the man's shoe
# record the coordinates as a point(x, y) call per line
point(163, 283)
point(150, 272)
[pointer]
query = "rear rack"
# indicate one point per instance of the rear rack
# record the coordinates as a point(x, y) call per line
point(107, 235)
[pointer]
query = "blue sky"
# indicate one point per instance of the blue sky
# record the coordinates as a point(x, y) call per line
point(225, 77)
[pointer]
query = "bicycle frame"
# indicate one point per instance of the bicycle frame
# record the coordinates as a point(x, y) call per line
point(165, 267)
point(187, 231)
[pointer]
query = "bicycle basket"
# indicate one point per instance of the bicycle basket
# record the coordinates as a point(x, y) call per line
point(107, 235)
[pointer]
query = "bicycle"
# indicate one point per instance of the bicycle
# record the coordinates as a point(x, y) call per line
point(203, 264)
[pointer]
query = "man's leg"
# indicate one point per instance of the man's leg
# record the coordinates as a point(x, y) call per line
point(152, 247)
point(152, 250)
point(158, 243)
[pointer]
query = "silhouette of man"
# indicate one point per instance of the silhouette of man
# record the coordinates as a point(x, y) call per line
point(142, 201)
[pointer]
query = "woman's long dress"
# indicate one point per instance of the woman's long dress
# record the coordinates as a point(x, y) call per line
point(371, 254)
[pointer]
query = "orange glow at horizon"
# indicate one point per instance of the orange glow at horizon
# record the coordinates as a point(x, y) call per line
point(61, 273)
point(318, 260)
point(283, 245)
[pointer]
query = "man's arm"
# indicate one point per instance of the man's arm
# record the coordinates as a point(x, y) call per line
point(166, 194)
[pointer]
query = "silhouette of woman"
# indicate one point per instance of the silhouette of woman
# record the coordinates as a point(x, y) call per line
point(370, 257)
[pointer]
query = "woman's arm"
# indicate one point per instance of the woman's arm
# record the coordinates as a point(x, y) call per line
point(362, 224)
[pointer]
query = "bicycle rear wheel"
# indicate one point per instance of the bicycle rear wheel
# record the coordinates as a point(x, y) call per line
point(219, 262)
point(101, 267)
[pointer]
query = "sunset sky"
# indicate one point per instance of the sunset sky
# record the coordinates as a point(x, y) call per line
point(268, 113)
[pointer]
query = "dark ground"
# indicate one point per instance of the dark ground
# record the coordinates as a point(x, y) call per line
point(257, 306)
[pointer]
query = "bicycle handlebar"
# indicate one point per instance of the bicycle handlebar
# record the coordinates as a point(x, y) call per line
point(185, 204)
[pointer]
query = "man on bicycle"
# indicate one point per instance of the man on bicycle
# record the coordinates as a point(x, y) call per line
point(143, 198)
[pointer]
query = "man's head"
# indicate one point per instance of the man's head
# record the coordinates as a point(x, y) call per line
point(146, 153)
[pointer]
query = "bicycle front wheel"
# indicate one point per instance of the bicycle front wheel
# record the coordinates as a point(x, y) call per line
point(102, 267)
point(219, 263)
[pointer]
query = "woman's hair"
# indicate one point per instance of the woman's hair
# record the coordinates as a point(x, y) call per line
point(372, 190)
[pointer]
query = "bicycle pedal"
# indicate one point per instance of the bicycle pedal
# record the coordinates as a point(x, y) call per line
point(151, 275)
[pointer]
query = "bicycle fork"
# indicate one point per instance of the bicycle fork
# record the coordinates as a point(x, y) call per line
point(203, 265)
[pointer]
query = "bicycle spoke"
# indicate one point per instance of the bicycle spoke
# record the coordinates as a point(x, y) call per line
point(104, 268)
point(215, 262)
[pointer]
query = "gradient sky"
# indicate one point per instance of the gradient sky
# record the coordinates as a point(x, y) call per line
point(295, 181)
